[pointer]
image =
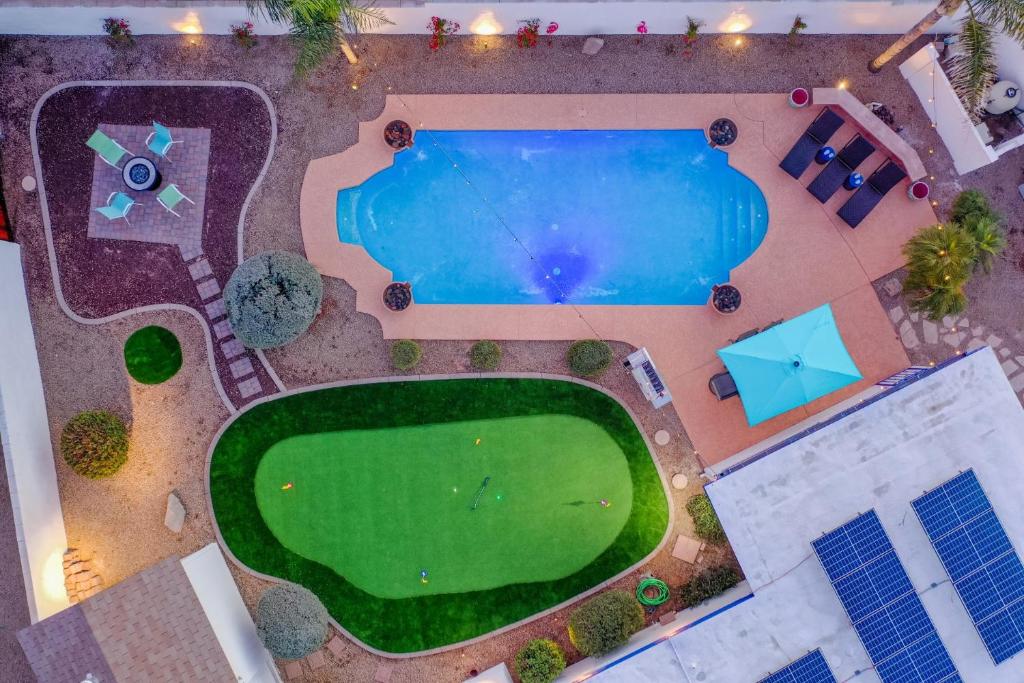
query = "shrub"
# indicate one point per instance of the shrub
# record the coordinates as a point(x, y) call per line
point(291, 621)
point(706, 585)
point(540, 661)
point(605, 622)
point(272, 298)
point(152, 355)
point(119, 31)
point(705, 521)
point(970, 203)
point(485, 355)
point(405, 354)
point(589, 357)
point(95, 443)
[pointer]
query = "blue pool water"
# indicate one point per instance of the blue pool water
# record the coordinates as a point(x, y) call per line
point(610, 217)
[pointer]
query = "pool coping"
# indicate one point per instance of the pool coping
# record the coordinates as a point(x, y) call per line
point(669, 527)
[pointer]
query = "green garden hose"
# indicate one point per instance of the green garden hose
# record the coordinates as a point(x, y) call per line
point(641, 592)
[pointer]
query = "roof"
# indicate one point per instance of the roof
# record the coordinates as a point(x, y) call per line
point(879, 458)
point(150, 627)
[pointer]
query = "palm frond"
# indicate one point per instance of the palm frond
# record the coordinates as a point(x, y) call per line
point(989, 240)
point(361, 18)
point(316, 40)
point(973, 69)
point(276, 11)
point(1007, 14)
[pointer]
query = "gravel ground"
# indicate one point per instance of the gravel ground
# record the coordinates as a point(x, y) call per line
point(14, 614)
point(173, 423)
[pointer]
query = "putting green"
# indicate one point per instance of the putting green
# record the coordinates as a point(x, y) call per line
point(373, 470)
point(381, 506)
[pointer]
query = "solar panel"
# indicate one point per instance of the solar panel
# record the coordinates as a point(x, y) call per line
point(886, 611)
point(980, 560)
point(811, 668)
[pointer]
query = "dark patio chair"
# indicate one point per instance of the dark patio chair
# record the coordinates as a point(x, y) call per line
point(746, 335)
point(846, 162)
point(814, 138)
point(722, 386)
point(857, 207)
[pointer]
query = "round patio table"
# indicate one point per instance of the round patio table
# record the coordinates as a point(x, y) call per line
point(140, 174)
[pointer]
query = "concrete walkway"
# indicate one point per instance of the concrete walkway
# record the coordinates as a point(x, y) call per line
point(14, 606)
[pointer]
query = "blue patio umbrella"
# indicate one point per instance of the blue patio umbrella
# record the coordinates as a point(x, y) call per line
point(790, 364)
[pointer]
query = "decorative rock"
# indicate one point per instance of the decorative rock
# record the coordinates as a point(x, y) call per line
point(892, 287)
point(1009, 367)
point(915, 316)
point(174, 518)
point(948, 322)
point(662, 437)
point(994, 341)
point(592, 45)
point(978, 331)
point(1019, 359)
point(679, 481)
point(975, 344)
point(908, 336)
point(28, 183)
point(931, 332)
point(896, 314)
point(686, 549)
point(953, 339)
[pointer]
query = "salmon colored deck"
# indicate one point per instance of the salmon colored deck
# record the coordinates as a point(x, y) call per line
point(808, 257)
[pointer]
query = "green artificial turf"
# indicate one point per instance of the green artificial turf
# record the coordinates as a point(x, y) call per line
point(152, 355)
point(381, 506)
point(431, 619)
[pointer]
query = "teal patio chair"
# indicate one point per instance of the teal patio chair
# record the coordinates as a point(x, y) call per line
point(170, 197)
point(106, 147)
point(159, 141)
point(118, 206)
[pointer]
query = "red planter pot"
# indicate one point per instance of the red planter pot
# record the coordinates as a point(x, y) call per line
point(799, 98)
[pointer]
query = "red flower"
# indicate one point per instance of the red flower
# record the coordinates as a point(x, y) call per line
point(641, 28)
point(552, 27)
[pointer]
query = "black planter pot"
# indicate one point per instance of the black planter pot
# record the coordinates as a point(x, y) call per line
point(725, 298)
point(398, 296)
point(398, 135)
point(722, 132)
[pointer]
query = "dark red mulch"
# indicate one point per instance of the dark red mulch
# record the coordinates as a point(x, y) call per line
point(100, 277)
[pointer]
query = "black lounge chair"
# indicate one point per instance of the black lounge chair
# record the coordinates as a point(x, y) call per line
point(722, 386)
point(857, 207)
point(846, 162)
point(813, 139)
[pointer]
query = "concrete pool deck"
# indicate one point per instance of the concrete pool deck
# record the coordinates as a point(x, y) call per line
point(809, 256)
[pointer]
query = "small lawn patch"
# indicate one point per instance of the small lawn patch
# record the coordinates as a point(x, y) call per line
point(152, 355)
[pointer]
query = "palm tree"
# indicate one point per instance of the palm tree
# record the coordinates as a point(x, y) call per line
point(319, 27)
point(974, 67)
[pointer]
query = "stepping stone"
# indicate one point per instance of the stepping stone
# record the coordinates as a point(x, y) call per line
point(190, 250)
point(336, 646)
point(174, 518)
point(592, 45)
point(293, 670)
point(679, 481)
point(978, 331)
point(1009, 367)
point(948, 322)
point(1019, 359)
point(993, 341)
point(1004, 352)
point(896, 314)
point(914, 316)
point(892, 287)
point(28, 183)
point(383, 673)
point(232, 348)
point(241, 368)
point(216, 309)
point(953, 339)
point(662, 437)
point(222, 329)
point(667, 618)
point(250, 387)
point(975, 344)
point(316, 660)
point(1018, 383)
point(930, 331)
point(200, 269)
point(908, 336)
point(686, 549)
point(208, 289)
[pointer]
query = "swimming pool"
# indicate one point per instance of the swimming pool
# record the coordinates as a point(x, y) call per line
point(628, 217)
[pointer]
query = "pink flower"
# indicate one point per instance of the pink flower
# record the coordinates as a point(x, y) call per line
point(552, 27)
point(641, 28)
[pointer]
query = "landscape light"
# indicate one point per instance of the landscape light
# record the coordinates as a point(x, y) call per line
point(843, 84)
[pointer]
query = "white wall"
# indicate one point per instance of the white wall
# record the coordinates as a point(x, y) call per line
point(28, 454)
point(827, 16)
point(1010, 58)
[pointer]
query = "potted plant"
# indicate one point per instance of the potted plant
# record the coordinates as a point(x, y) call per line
point(398, 135)
point(799, 98)
point(725, 298)
point(398, 296)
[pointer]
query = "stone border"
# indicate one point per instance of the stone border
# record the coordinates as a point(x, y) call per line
point(54, 268)
point(669, 528)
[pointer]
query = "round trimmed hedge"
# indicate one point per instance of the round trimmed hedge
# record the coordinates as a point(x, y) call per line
point(485, 355)
point(540, 661)
point(272, 298)
point(406, 354)
point(605, 622)
point(589, 357)
point(95, 444)
point(291, 621)
point(152, 355)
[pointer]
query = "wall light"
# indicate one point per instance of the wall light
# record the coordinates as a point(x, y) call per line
point(190, 24)
point(737, 22)
point(485, 25)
